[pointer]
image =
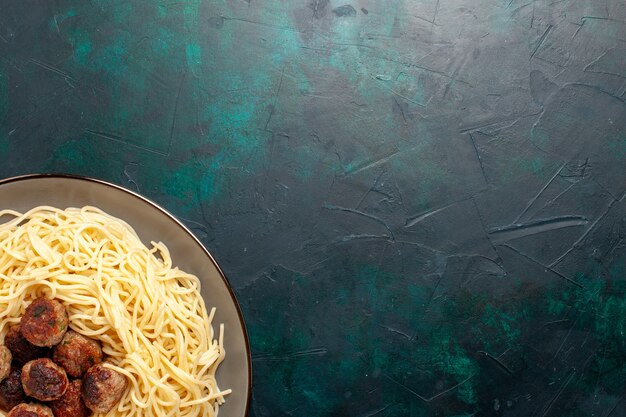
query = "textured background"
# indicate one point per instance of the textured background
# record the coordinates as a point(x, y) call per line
point(419, 203)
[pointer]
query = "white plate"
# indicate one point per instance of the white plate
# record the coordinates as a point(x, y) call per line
point(152, 223)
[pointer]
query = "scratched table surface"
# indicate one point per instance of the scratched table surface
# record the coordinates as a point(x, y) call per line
point(419, 203)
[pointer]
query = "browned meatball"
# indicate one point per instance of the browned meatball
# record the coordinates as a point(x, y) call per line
point(5, 362)
point(30, 410)
point(11, 391)
point(44, 380)
point(77, 353)
point(45, 322)
point(71, 403)
point(21, 349)
point(103, 388)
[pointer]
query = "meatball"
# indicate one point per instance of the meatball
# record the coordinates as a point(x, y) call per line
point(21, 349)
point(30, 410)
point(103, 388)
point(45, 322)
point(77, 353)
point(44, 380)
point(71, 403)
point(11, 391)
point(5, 362)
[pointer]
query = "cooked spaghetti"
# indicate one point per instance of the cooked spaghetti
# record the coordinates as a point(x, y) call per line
point(148, 315)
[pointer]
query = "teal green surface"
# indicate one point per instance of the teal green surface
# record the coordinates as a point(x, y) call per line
point(420, 206)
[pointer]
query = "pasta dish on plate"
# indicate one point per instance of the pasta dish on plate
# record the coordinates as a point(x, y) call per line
point(158, 348)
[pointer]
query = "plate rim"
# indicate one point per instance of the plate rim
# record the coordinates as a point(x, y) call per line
point(193, 237)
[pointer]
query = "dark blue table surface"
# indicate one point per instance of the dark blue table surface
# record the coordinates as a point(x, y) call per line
point(419, 203)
